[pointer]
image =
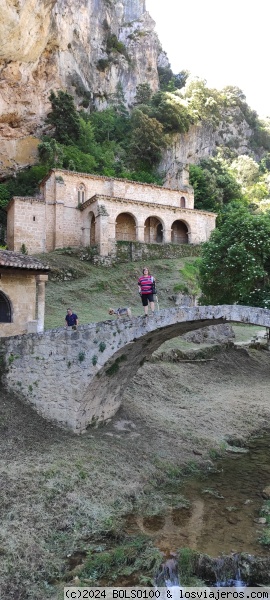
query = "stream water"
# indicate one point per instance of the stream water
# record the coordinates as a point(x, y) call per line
point(223, 511)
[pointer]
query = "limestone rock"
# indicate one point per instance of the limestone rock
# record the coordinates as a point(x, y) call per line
point(59, 44)
point(266, 492)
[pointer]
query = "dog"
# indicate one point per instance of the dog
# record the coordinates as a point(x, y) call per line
point(120, 312)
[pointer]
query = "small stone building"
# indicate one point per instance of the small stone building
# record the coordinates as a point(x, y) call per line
point(22, 294)
point(77, 209)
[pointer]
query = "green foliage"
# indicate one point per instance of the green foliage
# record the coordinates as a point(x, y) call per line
point(114, 45)
point(76, 160)
point(147, 139)
point(169, 110)
point(50, 153)
point(235, 263)
point(24, 184)
point(4, 195)
point(103, 64)
point(170, 82)
point(136, 555)
point(94, 360)
point(143, 94)
point(190, 272)
point(203, 102)
point(64, 117)
point(81, 356)
point(245, 169)
point(186, 566)
point(102, 346)
point(214, 185)
point(23, 249)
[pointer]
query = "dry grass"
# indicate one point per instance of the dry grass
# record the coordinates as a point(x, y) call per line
point(59, 491)
point(92, 290)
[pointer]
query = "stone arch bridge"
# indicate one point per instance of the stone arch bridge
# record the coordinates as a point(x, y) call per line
point(76, 378)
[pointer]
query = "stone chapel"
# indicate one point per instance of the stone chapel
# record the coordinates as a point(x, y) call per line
point(78, 209)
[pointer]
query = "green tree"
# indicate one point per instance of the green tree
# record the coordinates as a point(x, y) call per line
point(64, 117)
point(50, 153)
point(75, 160)
point(235, 263)
point(170, 111)
point(147, 140)
point(4, 195)
point(214, 185)
point(246, 170)
point(143, 94)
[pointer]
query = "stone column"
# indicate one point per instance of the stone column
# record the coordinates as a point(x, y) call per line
point(167, 235)
point(41, 279)
point(140, 233)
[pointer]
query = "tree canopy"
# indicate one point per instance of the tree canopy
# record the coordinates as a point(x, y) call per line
point(235, 263)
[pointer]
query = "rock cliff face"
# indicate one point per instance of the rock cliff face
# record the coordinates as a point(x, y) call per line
point(201, 141)
point(87, 47)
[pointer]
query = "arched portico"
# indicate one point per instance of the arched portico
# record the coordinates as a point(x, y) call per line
point(89, 229)
point(180, 232)
point(125, 227)
point(153, 230)
point(90, 391)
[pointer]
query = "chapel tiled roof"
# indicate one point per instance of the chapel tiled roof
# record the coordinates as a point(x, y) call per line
point(17, 260)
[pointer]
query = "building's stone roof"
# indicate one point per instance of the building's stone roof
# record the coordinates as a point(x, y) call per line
point(17, 260)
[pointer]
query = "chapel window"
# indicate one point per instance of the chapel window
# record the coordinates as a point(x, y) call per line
point(182, 202)
point(81, 194)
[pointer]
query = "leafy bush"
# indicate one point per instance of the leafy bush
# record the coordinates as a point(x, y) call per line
point(235, 263)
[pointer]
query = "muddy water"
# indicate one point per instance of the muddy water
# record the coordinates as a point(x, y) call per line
point(223, 507)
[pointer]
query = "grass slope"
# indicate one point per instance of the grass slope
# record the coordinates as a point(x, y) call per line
point(91, 290)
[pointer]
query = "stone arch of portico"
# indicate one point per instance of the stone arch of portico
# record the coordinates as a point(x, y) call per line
point(89, 228)
point(5, 309)
point(154, 230)
point(180, 231)
point(126, 227)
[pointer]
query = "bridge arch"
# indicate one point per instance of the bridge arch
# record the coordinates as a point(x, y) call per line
point(76, 378)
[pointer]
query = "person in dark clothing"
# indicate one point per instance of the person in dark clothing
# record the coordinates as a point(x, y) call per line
point(146, 285)
point(71, 319)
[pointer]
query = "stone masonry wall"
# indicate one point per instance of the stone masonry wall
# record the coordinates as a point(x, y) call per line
point(26, 225)
point(55, 221)
point(136, 251)
point(20, 289)
point(76, 378)
point(119, 188)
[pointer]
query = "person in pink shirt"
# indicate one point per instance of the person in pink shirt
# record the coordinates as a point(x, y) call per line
point(146, 285)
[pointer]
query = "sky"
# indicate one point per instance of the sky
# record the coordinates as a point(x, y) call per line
point(225, 42)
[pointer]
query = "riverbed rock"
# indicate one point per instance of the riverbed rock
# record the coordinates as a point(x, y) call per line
point(266, 492)
point(213, 334)
point(260, 520)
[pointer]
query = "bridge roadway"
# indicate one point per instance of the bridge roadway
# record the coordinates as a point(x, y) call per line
point(76, 378)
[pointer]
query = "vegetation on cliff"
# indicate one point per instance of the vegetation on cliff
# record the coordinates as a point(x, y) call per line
point(118, 143)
